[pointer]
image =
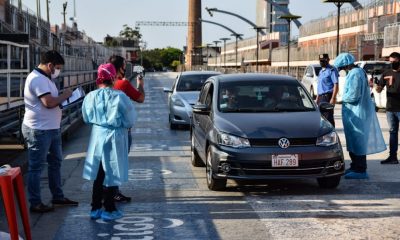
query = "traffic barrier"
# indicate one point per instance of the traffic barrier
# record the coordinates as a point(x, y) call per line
point(12, 180)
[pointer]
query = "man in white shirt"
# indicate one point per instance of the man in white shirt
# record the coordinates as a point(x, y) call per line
point(41, 130)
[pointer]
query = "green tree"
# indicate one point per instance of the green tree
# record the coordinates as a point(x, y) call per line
point(130, 33)
point(110, 41)
point(159, 58)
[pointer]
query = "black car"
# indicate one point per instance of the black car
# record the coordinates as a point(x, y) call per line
point(262, 126)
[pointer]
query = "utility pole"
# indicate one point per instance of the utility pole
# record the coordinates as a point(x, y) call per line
point(258, 30)
point(47, 8)
point(224, 39)
point(236, 47)
point(216, 52)
point(289, 18)
point(65, 13)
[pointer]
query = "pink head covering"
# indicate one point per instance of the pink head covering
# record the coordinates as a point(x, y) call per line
point(105, 72)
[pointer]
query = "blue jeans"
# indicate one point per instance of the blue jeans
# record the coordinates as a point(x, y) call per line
point(393, 122)
point(43, 145)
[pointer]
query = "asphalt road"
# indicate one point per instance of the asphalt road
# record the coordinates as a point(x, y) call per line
point(171, 199)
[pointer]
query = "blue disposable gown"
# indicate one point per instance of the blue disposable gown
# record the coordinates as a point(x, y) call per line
point(110, 112)
point(361, 126)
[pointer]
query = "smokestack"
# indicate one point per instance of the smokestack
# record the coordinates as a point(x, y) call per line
point(194, 34)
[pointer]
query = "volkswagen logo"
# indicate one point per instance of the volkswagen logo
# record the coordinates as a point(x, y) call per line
point(284, 143)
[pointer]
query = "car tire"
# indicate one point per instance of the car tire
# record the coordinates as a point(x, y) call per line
point(329, 182)
point(195, 158)
point(213, 183)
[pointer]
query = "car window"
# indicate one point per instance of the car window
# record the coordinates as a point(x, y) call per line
point(209, 96)
point(309, 71)
point(379, 68)
point(263, 96)
point(203, 93)
point(317, 70)
point(192, 82)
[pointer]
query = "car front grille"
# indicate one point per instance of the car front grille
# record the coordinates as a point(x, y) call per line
point(273, 142)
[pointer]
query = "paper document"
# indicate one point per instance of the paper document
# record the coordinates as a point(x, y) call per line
point(77, 94)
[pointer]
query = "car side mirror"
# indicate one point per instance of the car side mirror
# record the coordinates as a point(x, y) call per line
point(167, 90)
point(202, 109)
point(325, 107)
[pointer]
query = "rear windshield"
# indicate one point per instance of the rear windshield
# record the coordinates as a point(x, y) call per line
point(192, 82)
point(259, 96)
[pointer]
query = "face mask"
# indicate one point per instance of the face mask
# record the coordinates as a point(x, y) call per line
point(395, 65)
point(56, 73)
point(323, 63)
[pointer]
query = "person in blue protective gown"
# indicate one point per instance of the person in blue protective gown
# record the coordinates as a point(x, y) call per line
point(111, 113)
point(361, 127)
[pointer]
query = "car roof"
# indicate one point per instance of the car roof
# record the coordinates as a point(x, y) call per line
point(200, 73)
point(237, 77)
point(372, 62)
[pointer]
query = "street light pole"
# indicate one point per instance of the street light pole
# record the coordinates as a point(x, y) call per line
point(258, 30)
point(338, 4)
point(216, 52)
point(224, 39)
point(289, 18)
point(236, 47)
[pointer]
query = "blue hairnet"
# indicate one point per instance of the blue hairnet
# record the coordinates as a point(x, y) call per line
point(344, 59)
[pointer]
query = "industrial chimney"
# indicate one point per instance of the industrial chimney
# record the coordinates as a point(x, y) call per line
point(193, 51)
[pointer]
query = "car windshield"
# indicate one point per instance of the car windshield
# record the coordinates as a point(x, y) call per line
point(263, 96)
point(376, 68)
point(192, 82)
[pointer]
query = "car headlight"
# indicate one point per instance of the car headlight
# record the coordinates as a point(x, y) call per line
point(328, 139)
point(232, 141)
point(177, 102)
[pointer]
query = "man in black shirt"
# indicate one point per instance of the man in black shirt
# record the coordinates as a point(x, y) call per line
point(391, 80)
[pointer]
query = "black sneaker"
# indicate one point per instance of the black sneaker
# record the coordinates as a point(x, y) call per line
point(64, 202)
point(119, 197)
point(41, 208)
point(390, 160)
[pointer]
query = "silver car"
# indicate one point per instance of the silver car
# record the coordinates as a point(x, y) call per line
point(183, 95)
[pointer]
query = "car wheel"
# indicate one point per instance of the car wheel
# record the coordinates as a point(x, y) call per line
point(312, 93)
point(213, 183)
point(329, 182)
point(195, 159)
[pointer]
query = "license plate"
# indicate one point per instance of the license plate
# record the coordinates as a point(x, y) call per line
point(285, 160)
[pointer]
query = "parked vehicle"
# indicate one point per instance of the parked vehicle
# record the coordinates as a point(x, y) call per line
point(375, 68)
point(183, 95)
point(267, 127)
point(310, 79)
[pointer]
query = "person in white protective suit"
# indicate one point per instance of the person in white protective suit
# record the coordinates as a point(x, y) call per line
point(111, 113)
point(361, 127)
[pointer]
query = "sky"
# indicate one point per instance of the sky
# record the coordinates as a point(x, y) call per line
point(97, 18)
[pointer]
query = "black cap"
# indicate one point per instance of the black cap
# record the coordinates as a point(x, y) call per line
point(323, 56)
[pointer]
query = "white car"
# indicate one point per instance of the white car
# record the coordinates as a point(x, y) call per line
point(310, 78)
point(375, 68)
